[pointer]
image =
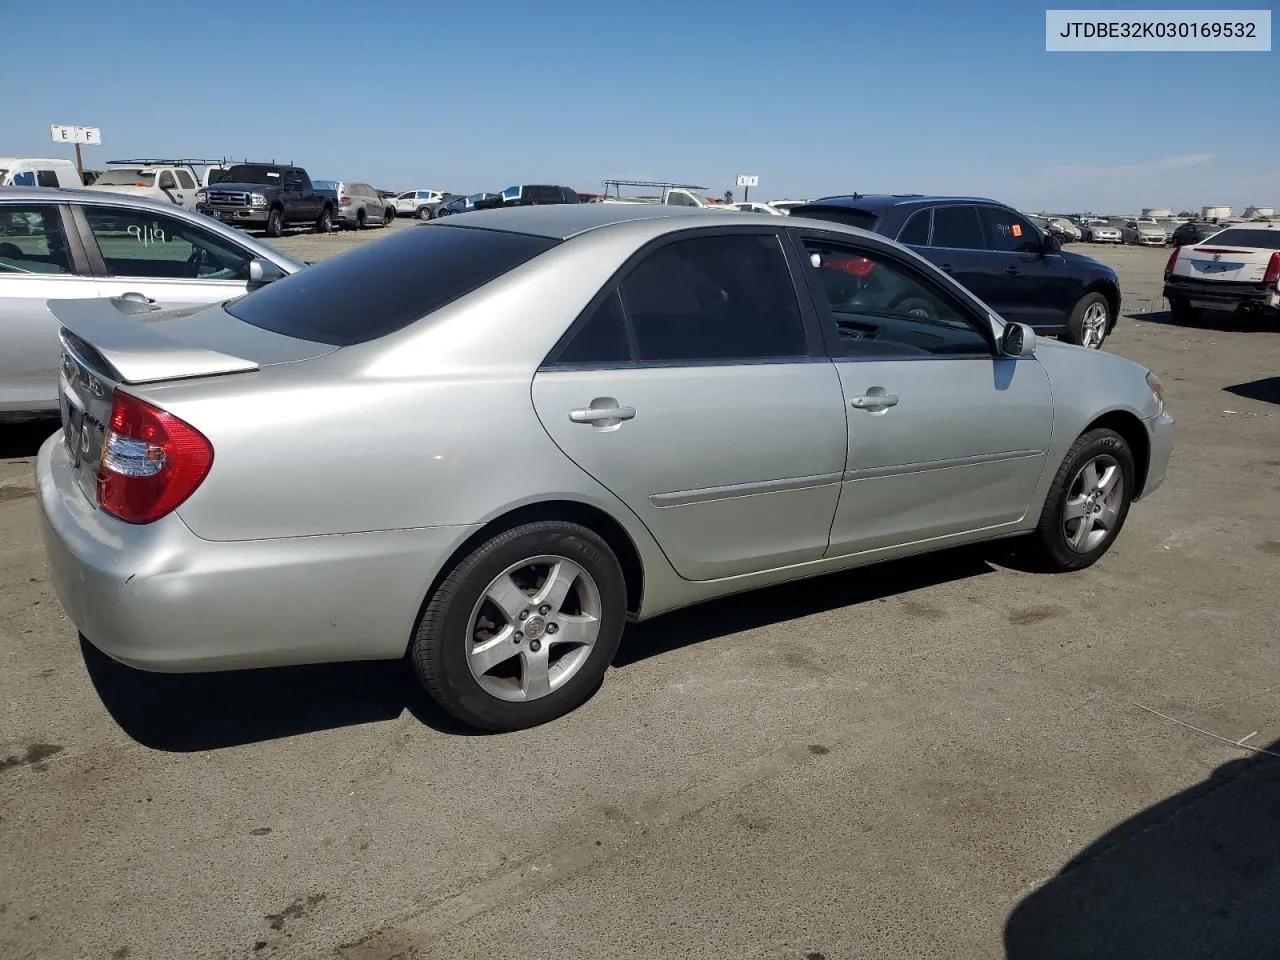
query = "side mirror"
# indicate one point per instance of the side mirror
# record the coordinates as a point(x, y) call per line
point(1018, 340)
point(1052, 244)
point(263, 271)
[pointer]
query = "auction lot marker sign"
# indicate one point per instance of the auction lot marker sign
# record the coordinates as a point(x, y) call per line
point(1137, 31)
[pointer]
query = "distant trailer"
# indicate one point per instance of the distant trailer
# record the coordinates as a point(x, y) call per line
point(1157, 213)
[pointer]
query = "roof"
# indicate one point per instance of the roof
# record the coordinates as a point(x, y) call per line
point(560, 221)
point(7, 162)
point(883, 201)
point(68, 194)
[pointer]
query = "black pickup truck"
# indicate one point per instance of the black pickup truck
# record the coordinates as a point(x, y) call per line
point(267, 196)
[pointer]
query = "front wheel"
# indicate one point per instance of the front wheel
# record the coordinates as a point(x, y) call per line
point(424, 213)
point(1087, 503)
point(388, 216)
point(522, 629)
point(1090, 322)
point(275, 223)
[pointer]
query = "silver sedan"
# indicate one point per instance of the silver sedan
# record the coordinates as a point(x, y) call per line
point(65, 244)
point(490, 441)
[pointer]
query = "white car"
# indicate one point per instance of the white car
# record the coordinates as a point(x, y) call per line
point(1103, 231)
point(1236, 269)
point(419, 203)
point(750, 206)
point(786, 206)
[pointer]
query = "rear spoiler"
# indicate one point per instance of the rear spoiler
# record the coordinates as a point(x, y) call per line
point(115, 336)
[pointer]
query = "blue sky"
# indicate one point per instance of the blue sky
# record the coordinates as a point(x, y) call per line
point(813, 98)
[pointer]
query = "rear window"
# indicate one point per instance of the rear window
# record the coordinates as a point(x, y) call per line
point(850, 215)
point(383, 287)
point(1265, 239)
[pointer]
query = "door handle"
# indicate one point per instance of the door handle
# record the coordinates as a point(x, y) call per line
point(874, 401)
point(1010, 271)
point(136, 297)
point(602, 414)
point(946, 268)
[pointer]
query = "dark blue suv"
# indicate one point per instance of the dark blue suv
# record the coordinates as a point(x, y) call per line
point(1004, 259)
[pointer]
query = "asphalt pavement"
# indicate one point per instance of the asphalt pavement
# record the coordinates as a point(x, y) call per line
point(945, 757)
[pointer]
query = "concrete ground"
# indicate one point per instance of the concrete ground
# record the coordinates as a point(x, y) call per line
point(943, 757)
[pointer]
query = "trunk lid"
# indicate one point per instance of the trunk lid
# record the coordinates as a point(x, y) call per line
point(1211, 261)
point(114, 342)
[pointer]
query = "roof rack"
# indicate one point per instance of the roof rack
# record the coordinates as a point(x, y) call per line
point(153, 162)
point(619, 184)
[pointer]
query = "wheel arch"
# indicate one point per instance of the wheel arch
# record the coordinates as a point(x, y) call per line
point(570, 511)
point(1134, 433)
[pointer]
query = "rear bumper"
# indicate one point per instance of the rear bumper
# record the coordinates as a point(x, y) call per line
point(157, 597)
point(1221, 295)
point(1160, 441)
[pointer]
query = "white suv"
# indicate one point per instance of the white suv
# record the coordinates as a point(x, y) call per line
point(419, 203)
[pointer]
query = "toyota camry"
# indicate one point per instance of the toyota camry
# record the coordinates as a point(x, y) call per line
point(484, 444)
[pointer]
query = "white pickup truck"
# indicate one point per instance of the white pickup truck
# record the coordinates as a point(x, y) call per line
point(671, 194)
point(172, 181)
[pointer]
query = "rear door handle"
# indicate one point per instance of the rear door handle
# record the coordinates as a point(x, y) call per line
point(875, 401)
point(136, 297)
point(602, 414)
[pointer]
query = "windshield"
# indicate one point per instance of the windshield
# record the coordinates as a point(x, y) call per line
point(374, 290)
point(250, 173)
point(1268, 239)
point(133, 177)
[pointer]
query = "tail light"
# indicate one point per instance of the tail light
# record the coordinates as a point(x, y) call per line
point(344, 199)
point(1173, 258)
point(151, 461)
point(858, 266)
point(1273, 270)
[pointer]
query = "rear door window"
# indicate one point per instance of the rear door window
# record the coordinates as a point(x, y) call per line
point(414, 272)
point(32, 241)
point(187, 181)
point(46, 178)
point(725, 297)
point(1006, 232)
point(916, 231)
point(957, 228)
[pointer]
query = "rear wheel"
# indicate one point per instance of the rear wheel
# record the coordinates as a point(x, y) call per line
point(360, 220)
point(324, 223)
point(424, 213)
point(1087, 503)
point(1090, 322)
point(1184, 313)
point(523, 628)
point(275, 222)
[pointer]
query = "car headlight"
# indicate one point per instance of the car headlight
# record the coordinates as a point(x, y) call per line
point(201, 196)
point(1157, 391)
point(257, 200)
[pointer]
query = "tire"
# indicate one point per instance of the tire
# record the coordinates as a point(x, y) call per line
point(360, 220)
point(1052, 544)
point(275, 222)
point(424, 213)
point(916, 307)
point(493, 694)
point(324, 224)
point(1090, 322)
point(388, 217)
point(1183, 313)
